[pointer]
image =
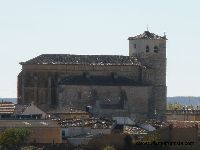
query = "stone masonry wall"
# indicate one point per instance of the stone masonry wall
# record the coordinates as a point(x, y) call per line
point(38, 83)
point(136, 101)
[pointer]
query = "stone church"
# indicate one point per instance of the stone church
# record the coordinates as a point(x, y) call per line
point(112, 85)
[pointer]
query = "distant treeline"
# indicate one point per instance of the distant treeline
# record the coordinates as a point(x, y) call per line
point(184, 100)
point(14, 100)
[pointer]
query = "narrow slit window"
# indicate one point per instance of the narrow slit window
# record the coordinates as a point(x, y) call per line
point(147, 48)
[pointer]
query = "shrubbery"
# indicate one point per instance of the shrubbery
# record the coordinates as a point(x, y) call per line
point(13, 137)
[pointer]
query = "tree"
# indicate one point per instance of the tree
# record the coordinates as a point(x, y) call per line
point(13, 137)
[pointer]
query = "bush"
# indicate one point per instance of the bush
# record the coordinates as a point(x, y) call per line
point(13, 137)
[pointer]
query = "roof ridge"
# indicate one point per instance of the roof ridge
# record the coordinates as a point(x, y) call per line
point(83, 59)
point(148, 35)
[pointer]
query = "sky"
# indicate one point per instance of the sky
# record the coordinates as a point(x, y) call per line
point(29, 28)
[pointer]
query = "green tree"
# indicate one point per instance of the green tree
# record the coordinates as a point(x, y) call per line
point(13, 137)
point(174, 106)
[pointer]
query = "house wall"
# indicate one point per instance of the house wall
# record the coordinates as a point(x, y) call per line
point(75, 131)
point(45, 135)
point(71, 115)
point(32, 109)
point(183, 117)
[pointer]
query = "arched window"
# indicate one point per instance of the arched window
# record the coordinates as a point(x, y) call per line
point(147, 48)
point(156, 49)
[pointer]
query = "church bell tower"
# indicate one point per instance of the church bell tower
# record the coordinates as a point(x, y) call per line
point(150, 49)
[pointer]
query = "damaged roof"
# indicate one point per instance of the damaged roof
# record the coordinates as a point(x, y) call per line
point(83, 59)
point(148, 35)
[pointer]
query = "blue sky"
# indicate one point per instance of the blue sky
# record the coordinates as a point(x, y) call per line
point(32, 27)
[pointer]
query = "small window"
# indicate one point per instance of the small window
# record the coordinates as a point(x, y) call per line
point(156, 49)
point(147, 48)
point(134, 45)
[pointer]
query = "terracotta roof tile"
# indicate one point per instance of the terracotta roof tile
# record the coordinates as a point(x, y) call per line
point(83, 59)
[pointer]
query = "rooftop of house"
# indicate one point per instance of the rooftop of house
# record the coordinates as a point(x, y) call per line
point(66, 110)
point(134, 130)
point(96, 123)
point(82, 59)
point(184, 124)
point(28, 123)
point(7, 107)
point(148, 35)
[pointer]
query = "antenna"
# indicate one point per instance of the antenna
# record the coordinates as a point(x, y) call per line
point(164, 35)
point(147, 27)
